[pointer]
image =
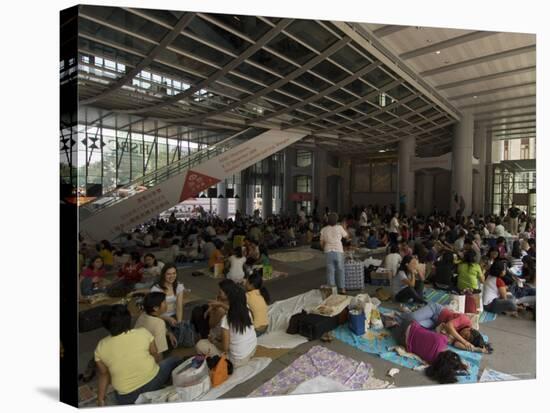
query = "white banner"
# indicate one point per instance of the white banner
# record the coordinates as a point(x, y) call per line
point(136, 209)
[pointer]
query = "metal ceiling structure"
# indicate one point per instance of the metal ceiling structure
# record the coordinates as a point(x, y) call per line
point(492, 74)
point(178, 72)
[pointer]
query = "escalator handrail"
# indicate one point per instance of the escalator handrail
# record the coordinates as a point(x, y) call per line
point(165, 172)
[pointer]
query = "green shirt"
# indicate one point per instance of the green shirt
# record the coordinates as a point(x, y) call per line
point(468, 276)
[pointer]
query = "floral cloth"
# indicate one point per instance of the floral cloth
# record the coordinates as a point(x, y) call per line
point(318, 361)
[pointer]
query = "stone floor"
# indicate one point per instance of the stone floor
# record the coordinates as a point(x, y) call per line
point(514, 339)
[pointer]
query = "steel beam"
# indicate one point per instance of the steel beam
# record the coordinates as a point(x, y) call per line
point(478, 60)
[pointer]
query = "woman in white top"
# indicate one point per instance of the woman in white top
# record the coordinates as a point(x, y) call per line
point(151, 271)
point(169, 285)
point(331, 243)
point(392, 260)
point(238, 335)
point(236, 265)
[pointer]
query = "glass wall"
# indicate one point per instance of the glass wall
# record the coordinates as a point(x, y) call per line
point(113, 158)
point(511, 186)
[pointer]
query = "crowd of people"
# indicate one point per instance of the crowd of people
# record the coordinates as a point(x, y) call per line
point(493, 256)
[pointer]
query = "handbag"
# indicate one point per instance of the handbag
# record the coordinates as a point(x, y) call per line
point(457, 303)
point(191, 382)
point(186, 335)
point(219, 373)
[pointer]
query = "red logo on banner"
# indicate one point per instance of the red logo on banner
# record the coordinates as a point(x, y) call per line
point(194, 183)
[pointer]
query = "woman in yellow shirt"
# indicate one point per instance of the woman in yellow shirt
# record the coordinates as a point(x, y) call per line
point(470, 274)
point(258, 300)
point(128, 359)
point(106, 252)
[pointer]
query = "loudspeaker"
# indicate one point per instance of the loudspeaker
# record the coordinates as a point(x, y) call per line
point(229, 192)
point(212, 192)
point(94, 190)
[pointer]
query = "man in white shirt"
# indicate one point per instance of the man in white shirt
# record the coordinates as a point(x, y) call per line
point(394, 228)
point(363, 219)
point(331, 243)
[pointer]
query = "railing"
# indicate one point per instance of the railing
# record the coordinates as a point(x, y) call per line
point(160, 175)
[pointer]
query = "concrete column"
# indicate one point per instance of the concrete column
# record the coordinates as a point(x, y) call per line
point(290, 161)
point(427, 183)
point(344, 204)
point(222, 202)
point(406, 177)
point(463, 149)
point(488, 172)
point(267, 191)
point(480, 150)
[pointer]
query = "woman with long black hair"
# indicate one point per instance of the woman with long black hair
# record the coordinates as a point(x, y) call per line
point(169, 285)
point(431, 347)
point(238, 336)
point(408, 284)
point(257, 298)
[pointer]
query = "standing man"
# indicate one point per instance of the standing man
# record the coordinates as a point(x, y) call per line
point(394, 228)
point(363, 219)
point(513, 214)
point(331, 243)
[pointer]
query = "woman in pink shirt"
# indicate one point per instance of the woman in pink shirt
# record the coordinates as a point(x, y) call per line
point(457, 326)
point(92, 276)
point(430, 346)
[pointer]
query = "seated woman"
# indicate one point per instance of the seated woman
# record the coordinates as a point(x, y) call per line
point(238, 336)
point(236, 265)
point(405, 285)
point(469, 272)
point(252, 252)
point(151, 271)
point(529, 270)
point(444, 272)
point(372, 241)
point(514, 261)
point(392, 261)
point(92, 277)
point(430, 346)
point(128, 359)
point(216, 257)
point(154, 304)
point(495, 298)
point(129, 275)
point(382, 238)
point(206, 318)
point(169, 285)
point(404, 248)
point(105, 251)
point(257, 299)
point(457, 326)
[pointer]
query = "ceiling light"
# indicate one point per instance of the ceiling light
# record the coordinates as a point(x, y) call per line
point(438, 52)
point(382, 150)
point(475, 97)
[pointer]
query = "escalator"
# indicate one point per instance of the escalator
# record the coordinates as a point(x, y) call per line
point(144, 198)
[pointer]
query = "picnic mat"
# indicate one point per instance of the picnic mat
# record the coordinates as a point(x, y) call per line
point(380, 341)
point(279, 314)
point(240, 375)
point(292, 256)
point(444, 298)
point(493, 375)
point(318, 361)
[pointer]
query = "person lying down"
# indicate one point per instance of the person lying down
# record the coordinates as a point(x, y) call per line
point(432, 347)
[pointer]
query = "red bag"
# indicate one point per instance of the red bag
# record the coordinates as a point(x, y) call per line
point(472, 304)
